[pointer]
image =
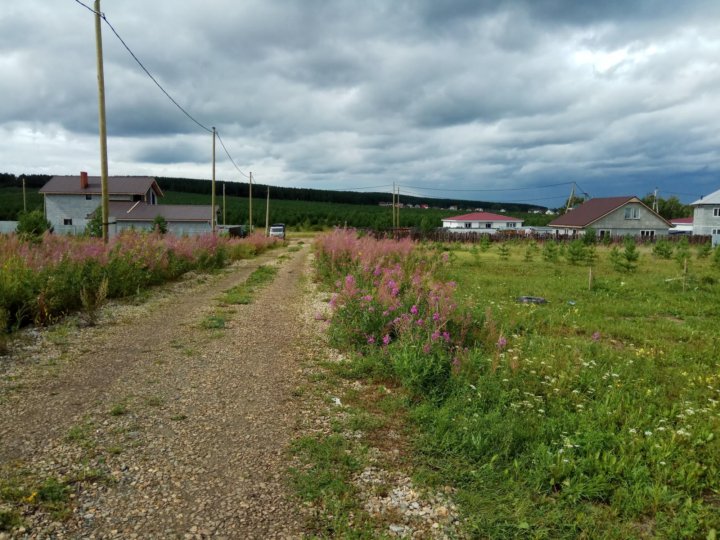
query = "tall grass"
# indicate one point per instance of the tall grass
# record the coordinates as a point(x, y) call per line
point(40, 281)
point(594, 415)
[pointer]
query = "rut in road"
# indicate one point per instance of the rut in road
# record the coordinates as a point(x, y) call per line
point(185, 428)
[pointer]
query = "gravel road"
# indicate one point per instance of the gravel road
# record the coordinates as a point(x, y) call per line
point(168, 429)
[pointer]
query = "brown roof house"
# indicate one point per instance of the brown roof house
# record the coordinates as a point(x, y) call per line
point(71, 200)
point(613, 216)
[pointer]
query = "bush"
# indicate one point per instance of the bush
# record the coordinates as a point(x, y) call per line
point(576, 252)
point(32, 224)
point(550, 251)
point(625, 261)
point(663, 249)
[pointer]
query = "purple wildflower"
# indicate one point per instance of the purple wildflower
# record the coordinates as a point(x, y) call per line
point(386, 339)
point(436, 316)
point(501, 343)
point(414, 310)
point(370, 340)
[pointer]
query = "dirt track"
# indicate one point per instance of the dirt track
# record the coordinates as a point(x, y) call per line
point(169, 429)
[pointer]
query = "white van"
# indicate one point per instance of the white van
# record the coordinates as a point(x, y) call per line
point(277, 230)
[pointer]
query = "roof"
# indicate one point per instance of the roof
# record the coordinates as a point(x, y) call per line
point(117, 185)
point(481, 216)
point(590, 211)
point(140, 211)
point(682, 221)
point(713, 198)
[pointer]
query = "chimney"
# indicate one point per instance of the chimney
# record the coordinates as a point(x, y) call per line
point(83, 180)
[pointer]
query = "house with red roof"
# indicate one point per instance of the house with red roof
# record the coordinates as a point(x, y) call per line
point(70, 202)
point(612, 216)
point(683, 225)
point(481, 222)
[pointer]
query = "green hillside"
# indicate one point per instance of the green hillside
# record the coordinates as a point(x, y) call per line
point(291, 206)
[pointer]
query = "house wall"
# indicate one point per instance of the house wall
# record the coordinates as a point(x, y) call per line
point(481, 226)
point(58, 208)
point(616, 223)
point(705, 222)
point(178, 228)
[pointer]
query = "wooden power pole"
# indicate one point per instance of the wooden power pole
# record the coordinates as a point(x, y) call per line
point(101, 121)
point(250, 205)
point(267, 213)
point(224, 214)
point(212, 196)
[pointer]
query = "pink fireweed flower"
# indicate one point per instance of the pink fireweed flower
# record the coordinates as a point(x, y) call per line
point(501, 343)
point(419, 322)
point(367, 298)
point(436, 316)
point(386, 339)
point(370, 340)
point(414, 310)
point(435, 335)
point(446, 336)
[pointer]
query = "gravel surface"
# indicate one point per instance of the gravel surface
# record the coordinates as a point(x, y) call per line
point(165, 428)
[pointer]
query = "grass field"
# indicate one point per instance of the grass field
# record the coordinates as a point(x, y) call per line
point(593, 415)
point(596, 415)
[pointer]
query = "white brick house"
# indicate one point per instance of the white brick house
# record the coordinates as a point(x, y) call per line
point(706, 216)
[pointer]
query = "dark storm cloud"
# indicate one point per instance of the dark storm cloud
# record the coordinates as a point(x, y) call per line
point(171, 152)
point(333, 94)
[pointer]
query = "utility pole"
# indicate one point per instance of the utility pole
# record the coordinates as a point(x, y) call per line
point(24, 197)
point(212, 196)
point(250, 205)
point(397, 201)
point(267, 213)
point(393, 206)
point(224, 203)
point(570, 200)
point(101, 121)
point(655, 200)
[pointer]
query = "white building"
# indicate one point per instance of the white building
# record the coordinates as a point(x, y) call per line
point(481, 222)
point(706, 216)
point(70, 202)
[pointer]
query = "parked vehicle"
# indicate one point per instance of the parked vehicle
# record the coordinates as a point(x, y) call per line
point(277, 230)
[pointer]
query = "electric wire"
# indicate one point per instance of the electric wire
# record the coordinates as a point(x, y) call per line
point(217, 134)
point(486, 189)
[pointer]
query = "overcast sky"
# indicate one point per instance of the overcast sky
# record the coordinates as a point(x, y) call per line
point(620, 96)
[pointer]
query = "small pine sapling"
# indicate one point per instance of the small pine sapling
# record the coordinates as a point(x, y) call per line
point(663, 249)
point(504, 251)
point(550, 251)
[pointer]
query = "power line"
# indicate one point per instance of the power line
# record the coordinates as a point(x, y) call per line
point(229, 156)
point(102, 15)
point(483, 189)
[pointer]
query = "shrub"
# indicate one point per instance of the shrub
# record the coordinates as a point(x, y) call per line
point(663, 249)
point(32, 224)
point(682, 253)
point(160, 224)
point(625, 260)
point(704, 250)
point(590, 237)
point(550, 251)
point(504, 251)
point(576, 252)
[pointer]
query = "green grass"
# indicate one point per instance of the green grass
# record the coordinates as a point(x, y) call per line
point(245, 292)
point(599, 418)
point(215, 321)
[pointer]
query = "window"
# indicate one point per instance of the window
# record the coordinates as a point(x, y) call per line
point(716, 212)
point(488, 225)
point(468, 225)
point(647, 234)
point(716, 231)
point(602, 233)
point(67, 221)
point(511, 224)
point(88, 197)
point(632, 212)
